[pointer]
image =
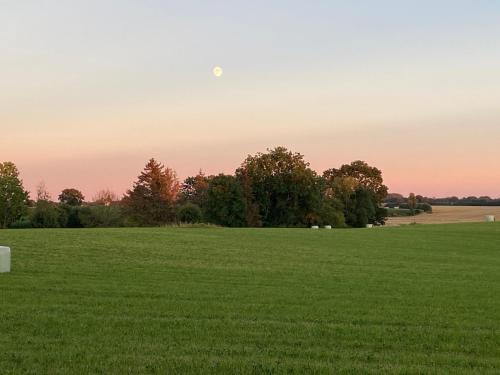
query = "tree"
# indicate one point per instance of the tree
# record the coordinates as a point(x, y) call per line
point(412, 203)
point(105, 197)
point(357, 174)
point(71, 197)
point(362, 208)
point(13, 197)
point(281, 185)
point(153, 197)
point(41, 192)
point(194, 189)
point(225, 202)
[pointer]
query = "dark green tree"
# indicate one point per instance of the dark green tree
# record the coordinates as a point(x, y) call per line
point(13, 197)
point(71, 197)
point(225, 203)
point(281, 186)
point(363, 209)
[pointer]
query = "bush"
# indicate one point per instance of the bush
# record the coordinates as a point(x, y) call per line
point(189, 213)
point(45, 215)
point(100, 216)
point(23, 223)
point(425, 207)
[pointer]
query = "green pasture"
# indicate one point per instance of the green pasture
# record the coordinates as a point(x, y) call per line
point(408, 300)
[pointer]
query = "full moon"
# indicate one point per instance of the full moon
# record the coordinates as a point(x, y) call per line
point(217, 71)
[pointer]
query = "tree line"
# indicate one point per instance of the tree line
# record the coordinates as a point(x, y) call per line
point(395, 199)
point(276, 188)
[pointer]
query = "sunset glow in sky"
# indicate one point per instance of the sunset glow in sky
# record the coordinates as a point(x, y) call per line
point(90, 90)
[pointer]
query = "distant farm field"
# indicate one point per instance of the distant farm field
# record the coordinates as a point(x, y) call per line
point(407, 300)
point(449, 215)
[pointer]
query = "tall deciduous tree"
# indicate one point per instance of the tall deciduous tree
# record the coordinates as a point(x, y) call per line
point(13, 197)
point(282, 186)
point(225, 203)
point(71, 197)
point(152, 199)
point(350, 177)
point(412, 203)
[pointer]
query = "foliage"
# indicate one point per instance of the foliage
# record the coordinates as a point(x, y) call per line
point(349, 177)
point(272, 189)
point(225, 202)
point(23, 223)
point(71, 197)
point(100, 216)
point(426, 207)
point(152, 199)
point(412, 202)
point(282, 186)
point(402, 212)
point(194, 189)
point(189, 213)
point(46, 215)
point(331, 214)
point(362, 209)
point(13, 197)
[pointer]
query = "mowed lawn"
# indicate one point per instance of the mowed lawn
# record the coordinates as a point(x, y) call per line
point(408, 300)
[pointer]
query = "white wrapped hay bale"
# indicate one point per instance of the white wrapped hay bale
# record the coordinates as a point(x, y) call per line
point(369, 225)
point(314, 227)
point(4, 259)
point(327, 227)
point(489, 218)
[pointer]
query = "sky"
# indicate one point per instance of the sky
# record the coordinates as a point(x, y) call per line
point(90, 90)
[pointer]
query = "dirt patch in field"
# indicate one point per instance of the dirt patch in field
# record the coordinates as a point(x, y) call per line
point(448, 214)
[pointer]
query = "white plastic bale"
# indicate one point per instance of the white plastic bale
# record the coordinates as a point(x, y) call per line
point(489, 218)
point(314, 227)
point(327, 227)
point(4, 259)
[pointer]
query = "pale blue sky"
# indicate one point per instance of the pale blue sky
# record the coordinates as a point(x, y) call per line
point(97, 82)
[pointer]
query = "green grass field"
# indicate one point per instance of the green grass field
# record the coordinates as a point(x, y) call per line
point(409, 300)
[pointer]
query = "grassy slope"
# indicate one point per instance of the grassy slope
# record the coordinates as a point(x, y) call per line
point(417, 299)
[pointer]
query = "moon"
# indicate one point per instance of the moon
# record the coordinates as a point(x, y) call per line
point(217, 71)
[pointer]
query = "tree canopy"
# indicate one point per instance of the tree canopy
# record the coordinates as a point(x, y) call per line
point(71, 197)
point(13, 197)
point(151, 200)
point(281, 186)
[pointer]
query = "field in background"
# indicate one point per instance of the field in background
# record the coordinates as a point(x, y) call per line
point(448, 214)
point(413, 300)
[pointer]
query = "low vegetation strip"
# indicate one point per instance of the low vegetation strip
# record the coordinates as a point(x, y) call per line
point(415, 299)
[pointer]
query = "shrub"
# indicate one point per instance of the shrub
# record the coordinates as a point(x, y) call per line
point(23, 223)
point(100, 216)
point(426, 207)
point(189, 213)
point(45, 215)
